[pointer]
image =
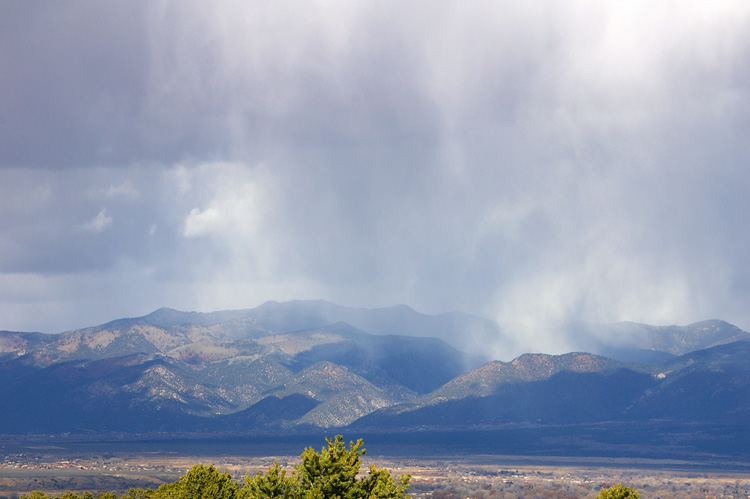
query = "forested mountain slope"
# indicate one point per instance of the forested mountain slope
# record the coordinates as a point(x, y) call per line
point(144, 377)
point(710, 386)
point(262, 370)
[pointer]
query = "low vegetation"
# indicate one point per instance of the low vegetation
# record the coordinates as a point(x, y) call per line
point(333, 473)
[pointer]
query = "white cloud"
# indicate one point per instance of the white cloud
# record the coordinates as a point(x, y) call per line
point(234, 209)
point(199, 223)
point(99, 223)
point(126, 190)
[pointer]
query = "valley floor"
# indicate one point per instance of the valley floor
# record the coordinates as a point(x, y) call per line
point(116, 466)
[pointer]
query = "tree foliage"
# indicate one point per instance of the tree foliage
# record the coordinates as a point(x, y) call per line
point(332, 474)
point(618, 491)
point(274, 484)
point(201, 482)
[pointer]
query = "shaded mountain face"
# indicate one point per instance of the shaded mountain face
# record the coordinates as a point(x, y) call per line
point(710, 386)
point(527, 368)
point(265, 370)
point(129, 393)
point(566, 397)
point(186, 374)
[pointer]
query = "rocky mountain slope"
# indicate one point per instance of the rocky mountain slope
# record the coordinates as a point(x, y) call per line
point(133, 377)
point(165, 329)
point(297, 367)
point(710, 386)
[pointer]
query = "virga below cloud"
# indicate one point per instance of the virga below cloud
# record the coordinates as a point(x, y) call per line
point(537, 163)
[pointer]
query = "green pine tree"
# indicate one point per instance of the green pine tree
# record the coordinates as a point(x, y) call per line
point(618, 491)
point(201, 482)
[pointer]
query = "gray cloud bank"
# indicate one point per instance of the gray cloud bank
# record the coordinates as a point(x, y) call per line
point(532, 162)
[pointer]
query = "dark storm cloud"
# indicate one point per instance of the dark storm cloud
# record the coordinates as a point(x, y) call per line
point(532, 162)
point(73, 79)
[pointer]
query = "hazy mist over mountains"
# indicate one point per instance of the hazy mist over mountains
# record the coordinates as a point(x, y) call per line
point(300, 367)
point(463, 331)
point(542, 164)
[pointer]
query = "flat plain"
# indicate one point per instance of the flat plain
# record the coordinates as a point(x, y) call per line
point(115, 466)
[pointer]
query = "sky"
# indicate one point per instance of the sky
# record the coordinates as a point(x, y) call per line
point(531, 162)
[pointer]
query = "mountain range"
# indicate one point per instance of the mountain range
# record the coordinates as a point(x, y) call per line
point(303, 366)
